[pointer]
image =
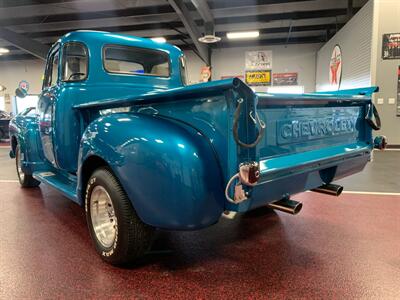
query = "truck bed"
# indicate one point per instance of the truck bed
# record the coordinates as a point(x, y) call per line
point(309, 139)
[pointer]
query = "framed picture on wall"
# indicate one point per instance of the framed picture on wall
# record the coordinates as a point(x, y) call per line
point(391, 46)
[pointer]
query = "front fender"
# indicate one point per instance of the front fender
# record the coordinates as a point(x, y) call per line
point(168, 169)
point(25, 132)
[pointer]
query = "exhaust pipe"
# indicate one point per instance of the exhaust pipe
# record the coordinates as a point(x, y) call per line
point(330, 189)
point(286, 205)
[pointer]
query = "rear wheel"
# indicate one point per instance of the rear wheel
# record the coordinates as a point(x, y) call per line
point(25, 180)
point(119, 235)
point(2, 134)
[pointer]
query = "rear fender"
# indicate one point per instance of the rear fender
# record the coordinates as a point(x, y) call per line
point(168, 169)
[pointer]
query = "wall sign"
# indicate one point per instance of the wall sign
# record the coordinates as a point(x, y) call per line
point(205, 74)
point(391, 46)
point(258, 60)
point(398, 92)
point(284, 78)
point(24, 85)
point(335, 68)
point(258, 78)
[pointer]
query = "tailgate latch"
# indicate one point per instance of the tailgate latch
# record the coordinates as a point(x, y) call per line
point(248, 175)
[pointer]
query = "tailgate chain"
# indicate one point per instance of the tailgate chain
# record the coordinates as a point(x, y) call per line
point(256, 119)
point(377, 125)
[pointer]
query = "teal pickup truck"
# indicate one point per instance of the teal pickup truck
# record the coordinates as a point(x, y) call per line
point(118, 131)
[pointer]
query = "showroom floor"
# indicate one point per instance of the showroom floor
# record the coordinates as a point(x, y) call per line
point(346, 247)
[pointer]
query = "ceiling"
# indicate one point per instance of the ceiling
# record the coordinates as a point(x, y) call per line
point(279, 21)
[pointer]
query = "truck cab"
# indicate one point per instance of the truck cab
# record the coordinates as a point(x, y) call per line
point(118, 131)
point(82, 67)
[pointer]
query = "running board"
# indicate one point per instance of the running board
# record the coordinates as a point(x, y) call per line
point(67, 186)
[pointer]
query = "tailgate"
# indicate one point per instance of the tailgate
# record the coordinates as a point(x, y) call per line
point(309, 140)
point(301, 131)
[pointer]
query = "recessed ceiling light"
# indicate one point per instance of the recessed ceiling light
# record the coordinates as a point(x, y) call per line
point(159, 39)
point(209, 39)
point(243, 35)
point(4, 50)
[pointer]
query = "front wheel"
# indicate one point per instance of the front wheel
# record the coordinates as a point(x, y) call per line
point(25, 180)
point(118, 234)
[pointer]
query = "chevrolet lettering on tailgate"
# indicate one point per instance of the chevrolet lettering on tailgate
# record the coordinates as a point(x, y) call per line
point(304, 128)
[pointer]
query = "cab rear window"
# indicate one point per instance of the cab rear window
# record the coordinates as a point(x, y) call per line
point(136, 61)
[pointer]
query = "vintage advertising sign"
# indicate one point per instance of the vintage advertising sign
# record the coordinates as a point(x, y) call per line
point(24, 85)
point(257, 78)
point(398, 92)
point(391, 46)
point(335, 68)
point(205, 74)
point(258, 60)
point(280, 79)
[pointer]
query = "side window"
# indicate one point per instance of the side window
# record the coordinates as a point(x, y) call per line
point(75, 62)
point(51, 73)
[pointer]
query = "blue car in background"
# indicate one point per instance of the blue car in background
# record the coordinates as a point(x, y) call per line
point(4, 122)
point(118, 131)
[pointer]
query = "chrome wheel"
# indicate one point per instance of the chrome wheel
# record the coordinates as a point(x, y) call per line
point(103, 217)
point(21, 174)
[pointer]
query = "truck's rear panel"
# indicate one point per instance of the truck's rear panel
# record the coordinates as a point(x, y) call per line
point(309, 140)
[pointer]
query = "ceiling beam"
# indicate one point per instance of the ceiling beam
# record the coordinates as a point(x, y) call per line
point(296, 15)
point(126, 12)
point(132, 28)
point(118, 28)
point(14, 3)
point(158, 23)
point(330, 28)
point(276, 41)
point(13, 57)
point(24, 43)
point(205, 13)
point(117, 13)
point(350, 9)
point(191, 28)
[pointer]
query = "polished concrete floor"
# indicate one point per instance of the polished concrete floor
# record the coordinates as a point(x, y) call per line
point(346, 247)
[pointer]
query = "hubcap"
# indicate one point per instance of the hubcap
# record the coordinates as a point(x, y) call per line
point(103, 217)
point(21, 174)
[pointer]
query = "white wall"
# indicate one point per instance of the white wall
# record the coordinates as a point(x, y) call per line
point(194, 64)
point(354, 40)
point(291, 58)
point(12, 72)
point(387, 19)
